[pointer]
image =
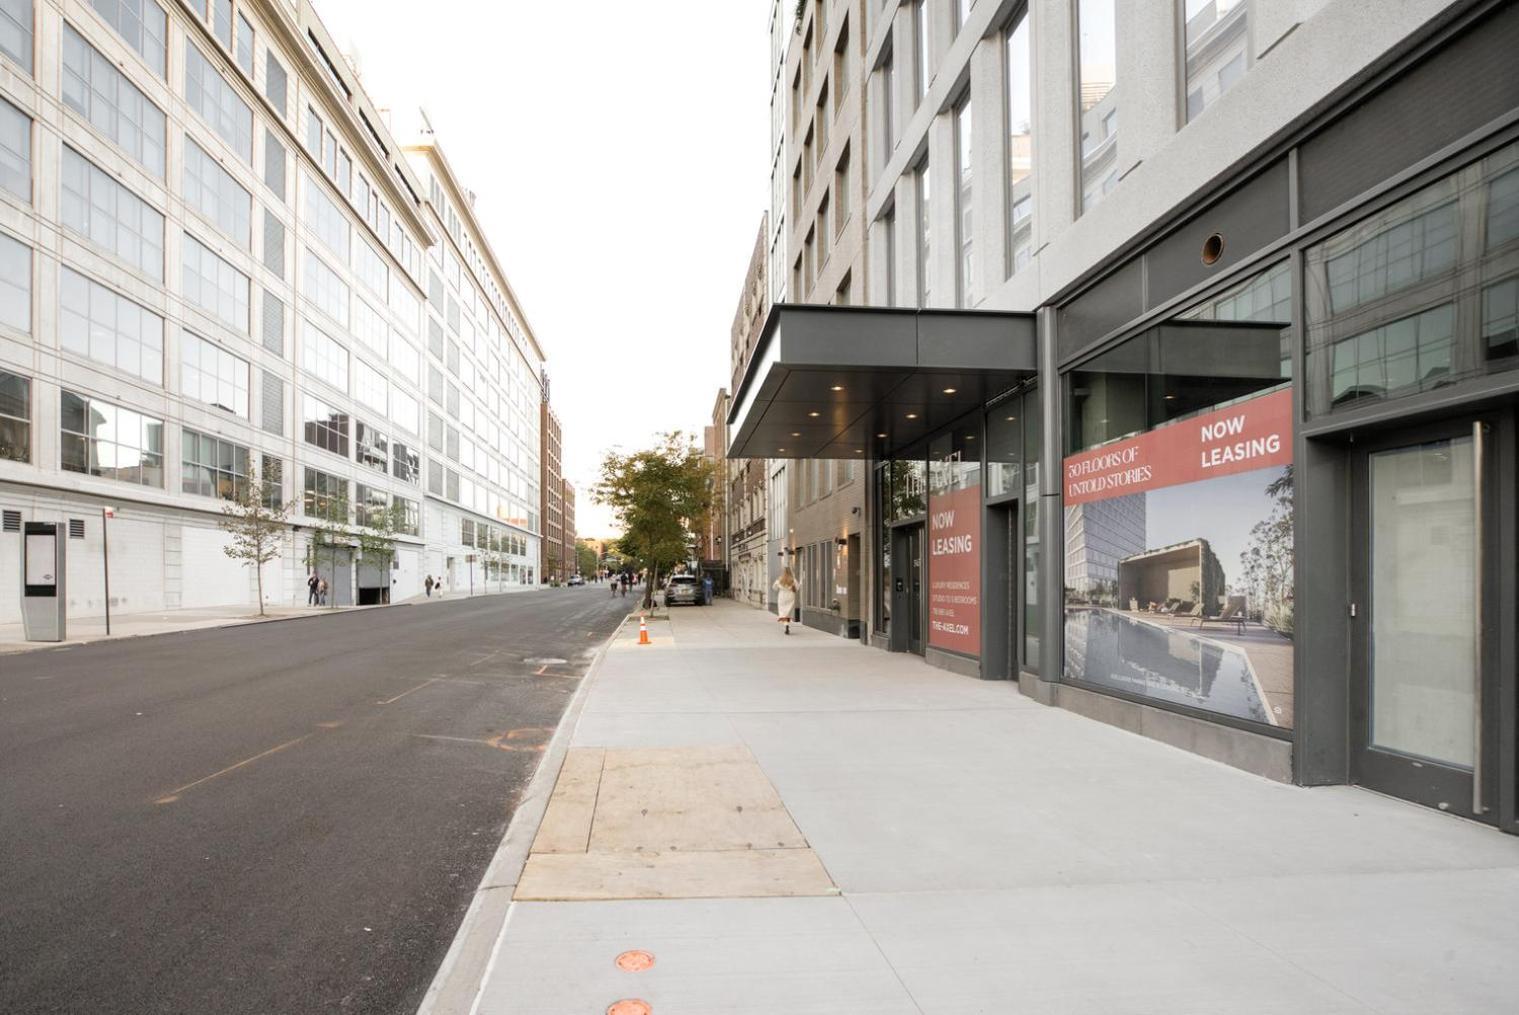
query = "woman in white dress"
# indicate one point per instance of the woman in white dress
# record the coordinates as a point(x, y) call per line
point(785, 599)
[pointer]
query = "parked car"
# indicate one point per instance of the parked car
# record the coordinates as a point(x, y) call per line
point(683, 588)
point(576, 579)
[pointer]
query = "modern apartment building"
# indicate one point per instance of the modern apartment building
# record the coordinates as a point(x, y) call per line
point(751, 569)
point(827, 542)
point(552, 480)
point(217, 264)
point(1186, 367)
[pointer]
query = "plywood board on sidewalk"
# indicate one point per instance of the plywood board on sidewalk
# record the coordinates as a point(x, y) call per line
point(744, 873)
point(689, 798)
point(566, 826)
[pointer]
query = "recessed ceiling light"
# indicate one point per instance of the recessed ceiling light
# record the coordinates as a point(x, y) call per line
point(796, 435)
point(881, 435)
point(837, 387)
point(1170, 398)
point(912, 415)
point(780, 449)
point(970, 436)
point(859, 451)
point(949, 391)
point(1011, 418)
point(814, 414)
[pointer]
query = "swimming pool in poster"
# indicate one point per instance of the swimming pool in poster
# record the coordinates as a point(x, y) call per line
point(1129, 654)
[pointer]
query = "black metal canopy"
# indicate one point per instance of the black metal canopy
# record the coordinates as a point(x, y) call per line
point(864, 382)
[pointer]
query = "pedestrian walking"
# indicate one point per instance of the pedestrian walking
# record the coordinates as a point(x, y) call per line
point(311, 584)
point(428, 586)
point(321, 592)
point(785, 599)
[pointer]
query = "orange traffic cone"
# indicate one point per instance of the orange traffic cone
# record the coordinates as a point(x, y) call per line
point(643, 631)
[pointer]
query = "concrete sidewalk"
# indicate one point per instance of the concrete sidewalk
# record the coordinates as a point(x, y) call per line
point(803, 824)
point(83, 630)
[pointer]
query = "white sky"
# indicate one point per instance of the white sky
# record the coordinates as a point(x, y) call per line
point(619, 157)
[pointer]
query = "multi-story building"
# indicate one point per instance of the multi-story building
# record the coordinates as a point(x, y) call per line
point(571, 559)
point(1251, 274)
point(484, 377)
point(827, 542)
point(552, 484)
point(713, 549)
point(749, 563)
point(216, 267)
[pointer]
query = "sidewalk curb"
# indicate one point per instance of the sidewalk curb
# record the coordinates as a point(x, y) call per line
point(470, 956)
point(320, 611)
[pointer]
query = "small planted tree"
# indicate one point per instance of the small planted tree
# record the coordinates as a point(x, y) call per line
point(329, 532)
point(255, 519)
point(377, 539)
point(657, 495)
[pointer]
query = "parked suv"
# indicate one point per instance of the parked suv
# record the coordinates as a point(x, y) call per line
point(683, 588)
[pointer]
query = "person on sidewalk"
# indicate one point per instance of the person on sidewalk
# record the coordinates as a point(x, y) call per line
point(785, 599)
point(321, 592)
point(311, 584)
point(428, 586)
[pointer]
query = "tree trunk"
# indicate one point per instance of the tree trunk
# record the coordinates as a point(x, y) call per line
point(648, 592)
point(258, 569)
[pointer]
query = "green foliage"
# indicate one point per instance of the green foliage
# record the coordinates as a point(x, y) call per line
point(585, 558)
point(1268, 560)
point(657, 495)
point(255, 519)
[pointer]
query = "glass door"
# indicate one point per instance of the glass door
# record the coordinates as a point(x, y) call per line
point(1422, 705)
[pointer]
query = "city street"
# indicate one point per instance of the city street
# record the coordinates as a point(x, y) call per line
point(283, 817)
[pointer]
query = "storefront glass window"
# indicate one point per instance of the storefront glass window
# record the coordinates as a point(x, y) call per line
point(1004, 448)
point(909, 489)
point(883, 550)
point(1419, 295)
point(1033, 436)
point(1178, 510)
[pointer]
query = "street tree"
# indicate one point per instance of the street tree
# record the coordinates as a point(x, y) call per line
point(330, 532)
point(657, 495)
point(585, 558)
point(377, 539)
point(255, 519)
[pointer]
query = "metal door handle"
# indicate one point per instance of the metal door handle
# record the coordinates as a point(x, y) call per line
point(1479, 433)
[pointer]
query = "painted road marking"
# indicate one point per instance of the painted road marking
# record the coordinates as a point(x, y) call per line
point(174, 794)
point(430, 680)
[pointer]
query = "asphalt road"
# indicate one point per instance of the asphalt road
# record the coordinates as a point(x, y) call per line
point(283, 817)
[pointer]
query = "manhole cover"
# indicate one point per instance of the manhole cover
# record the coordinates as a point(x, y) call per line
point(635, 961)
point(544, 661)
point(629, 1006)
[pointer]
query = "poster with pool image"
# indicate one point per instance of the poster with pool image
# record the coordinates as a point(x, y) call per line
point(1179, 563)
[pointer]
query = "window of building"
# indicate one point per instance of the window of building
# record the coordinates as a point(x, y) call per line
point(967, 285)
point(406, 360)
point(325, 496)
point(841, 192)
point(221, 22)
point(324, 358)
point(371, 506)
point(245, 45)
point(15, 151)
point(324, 288)
point(276, 82)
point(962, 12)
point(96, 206)
point(16, 17)
point(274, 165)
point(1419, 294)
point(100, 439)
point(97, 90)
point(923, 186)
point(274, 323)
point(211, 374)
point(274, 243)
point(314, 130)
point(326, 219)
point(1218, 49)
point(920, 48)
point(407, 515)
point(15, 284)
point(370, 387)
point(406, 306)
point(272, 412)
point(1097, 101)
point(371, 269)
point(212, 467)
point(325, 427)
point(1018, 68)
point(888, 105)
point(405, 463)
point(212, 191)
point(369, 326)
point(102, 325)
point(15, 417)
point(371, 447)
point(211, 283)
point(272, 471)
point(142, 23)
point(217, 102)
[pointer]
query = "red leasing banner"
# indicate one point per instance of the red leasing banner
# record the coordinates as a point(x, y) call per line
point(1254, 434)
point(954, 571)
